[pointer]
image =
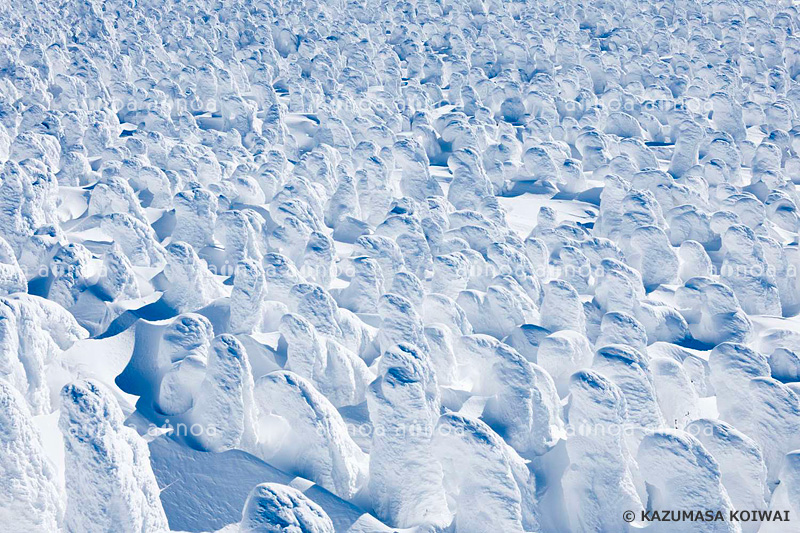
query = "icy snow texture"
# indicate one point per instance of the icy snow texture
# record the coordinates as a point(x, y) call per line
point(33, 502)
point(489, 483)
point(274, 508)
point(415, 256)
point(684, 475)
point(224, 400)
point(597, 405)
point(405, 484)
point(316, 444)
point(109, 482)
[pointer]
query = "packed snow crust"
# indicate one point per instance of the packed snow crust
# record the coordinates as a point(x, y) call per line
point(424, 266)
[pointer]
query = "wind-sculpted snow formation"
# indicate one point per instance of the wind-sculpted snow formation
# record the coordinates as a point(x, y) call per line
point(438, 266)
point(109, 481)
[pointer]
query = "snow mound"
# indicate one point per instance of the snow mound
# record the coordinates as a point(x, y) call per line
point(109, 480)
point(274, 508)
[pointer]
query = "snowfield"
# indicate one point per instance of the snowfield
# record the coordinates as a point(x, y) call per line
point(454, 266)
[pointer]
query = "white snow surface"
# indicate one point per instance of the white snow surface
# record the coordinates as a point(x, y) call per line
point(430, 266)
